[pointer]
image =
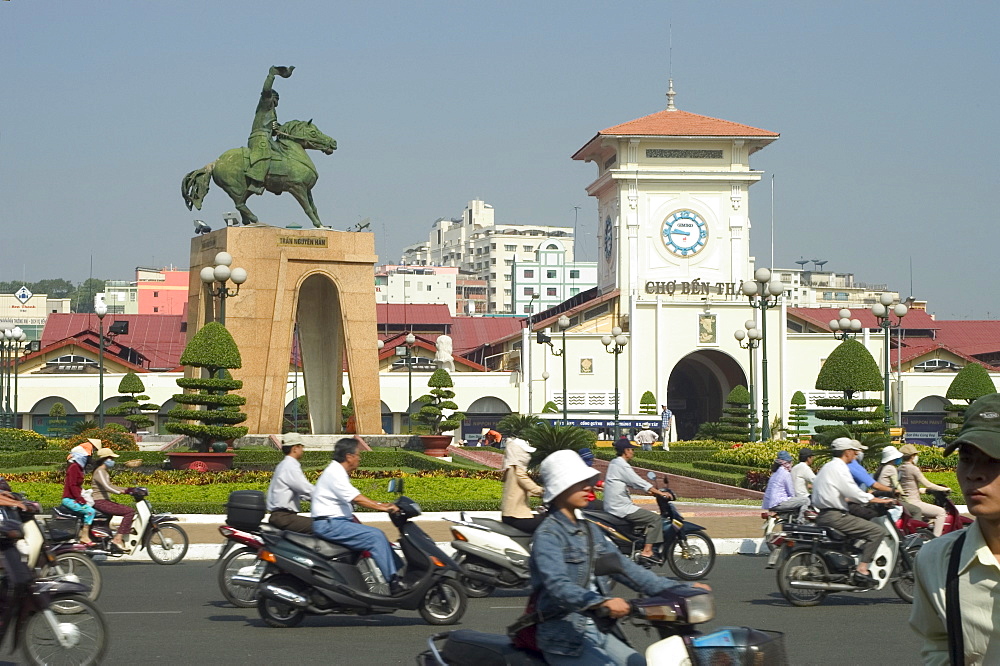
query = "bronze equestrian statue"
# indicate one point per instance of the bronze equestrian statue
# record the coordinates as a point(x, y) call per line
point(275, 160)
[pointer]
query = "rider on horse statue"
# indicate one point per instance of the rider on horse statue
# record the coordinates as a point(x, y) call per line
point(265, 122)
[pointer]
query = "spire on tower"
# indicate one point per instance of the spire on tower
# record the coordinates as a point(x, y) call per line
point(670, 96)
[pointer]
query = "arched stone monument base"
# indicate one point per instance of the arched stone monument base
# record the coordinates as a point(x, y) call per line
point(321, 278)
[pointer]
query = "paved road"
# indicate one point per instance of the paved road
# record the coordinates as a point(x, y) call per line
point(175, 614)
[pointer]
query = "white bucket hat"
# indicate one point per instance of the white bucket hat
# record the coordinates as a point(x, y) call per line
point(563, 469)
point(891, 453)
point(517, 453)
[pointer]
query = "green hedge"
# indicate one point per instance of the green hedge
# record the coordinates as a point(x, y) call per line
point(683, 456)
point(688, 469)
point(724, 467)
point(16, 439)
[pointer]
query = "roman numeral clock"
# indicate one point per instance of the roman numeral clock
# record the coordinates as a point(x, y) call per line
point(684, 233)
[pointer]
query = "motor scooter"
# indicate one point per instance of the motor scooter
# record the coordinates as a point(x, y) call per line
point(308, 575)
point(813, 561)
point(953, 521)
point(166, 542)
point(686, 547)
point(672, 614)
point(241, 562)
point(491, 553)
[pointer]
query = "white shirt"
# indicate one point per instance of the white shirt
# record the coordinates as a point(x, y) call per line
point(334, 493)
point(288, 486)
point(834, 485)
point(646, 436)
point(802, 476)
point(617, 480)
point(978, 588)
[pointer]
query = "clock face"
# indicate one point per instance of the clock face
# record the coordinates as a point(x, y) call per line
point(684, 233)
point(609, 238)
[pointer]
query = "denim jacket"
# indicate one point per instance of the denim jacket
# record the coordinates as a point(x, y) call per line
point(558, 570)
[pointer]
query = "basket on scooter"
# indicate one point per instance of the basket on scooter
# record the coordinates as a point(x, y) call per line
point(738, 646)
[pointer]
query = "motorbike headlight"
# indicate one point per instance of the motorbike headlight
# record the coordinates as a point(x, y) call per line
point(700, 608)
point(660, 613)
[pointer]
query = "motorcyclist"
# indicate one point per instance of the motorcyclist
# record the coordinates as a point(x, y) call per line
point(518, 487)
point(562, 565)
point(333, 516)
point(72, 497)
point(103, 488)
point(780, 492)
point(887, 474)
point(17, 573)
point(617, 501)
point(288, 487)
point(833, 489)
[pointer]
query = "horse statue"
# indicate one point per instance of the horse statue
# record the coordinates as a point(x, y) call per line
point(290, 170)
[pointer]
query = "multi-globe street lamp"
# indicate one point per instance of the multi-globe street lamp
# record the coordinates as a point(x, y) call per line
point(615, 344)
point(544, 339)
point(883, 311)
point(10, 347)
point(845, 327)
point(763, 294)
point(749, 338)
point(406, 351)
point(222, 274)
point(101, 310)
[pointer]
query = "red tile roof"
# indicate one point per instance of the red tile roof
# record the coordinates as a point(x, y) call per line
point(160, 338)
point(821, 317)
point(971, 336)
point(469, 333)
point(682, 123)
point(398, 313)
point(914, 349)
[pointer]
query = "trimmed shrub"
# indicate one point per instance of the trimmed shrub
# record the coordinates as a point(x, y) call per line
point(647, 404)
point(113, 438)
point(57, 419)
point(440, 398)
point(737, 419)
point(798, 422)
point(131, 406)
point(15, 439)
point(850, 368)
point(971, 382)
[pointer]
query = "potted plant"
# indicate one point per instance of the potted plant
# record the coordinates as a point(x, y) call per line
point(213, 349)
point(432, 414)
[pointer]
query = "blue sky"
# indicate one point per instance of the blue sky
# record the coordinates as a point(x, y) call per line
point(886, 112)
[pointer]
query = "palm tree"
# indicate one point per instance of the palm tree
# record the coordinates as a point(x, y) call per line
point(548, 439)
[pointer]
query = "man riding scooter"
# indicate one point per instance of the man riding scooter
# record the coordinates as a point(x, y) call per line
point(333, 515)
point(617, 501)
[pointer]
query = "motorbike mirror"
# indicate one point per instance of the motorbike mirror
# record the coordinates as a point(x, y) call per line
point(651, 476)
point(396, 486)
point(607, 564)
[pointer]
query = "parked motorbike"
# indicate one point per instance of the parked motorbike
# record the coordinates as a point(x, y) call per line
point(686, 547)
point(491, 553)
point(672, 614)
point(166, 542)
point(814, 561)
point(43, 636)
point(307, 575)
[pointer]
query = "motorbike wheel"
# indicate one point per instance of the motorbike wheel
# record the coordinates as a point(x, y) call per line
point(475, 589)
point(691, 556)
point(903, 583)
point(86, 629)
point(167, 544)
point(80, 566)
point(802, 565)
point(278, 614)
point(444, 603)
point(240, 596)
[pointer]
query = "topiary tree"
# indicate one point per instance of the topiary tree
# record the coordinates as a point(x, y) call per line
point(647, 403)
point(971, 382)
point(432, 412)
point(213, 349)
point(798, 421)
point(850, 368)
point(129, 406)
point(736, 422)
point(57, 419)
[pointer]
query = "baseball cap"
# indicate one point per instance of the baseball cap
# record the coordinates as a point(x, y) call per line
point(981, 427)
point(623, 444)
point(806, 452)
point(846, 443)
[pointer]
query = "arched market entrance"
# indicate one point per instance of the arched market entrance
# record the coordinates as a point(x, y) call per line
point(698, 387)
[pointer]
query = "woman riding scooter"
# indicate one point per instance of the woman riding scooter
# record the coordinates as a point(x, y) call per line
point(518, 487)
point(562, 573)
point(72, 497)
point(103, 488)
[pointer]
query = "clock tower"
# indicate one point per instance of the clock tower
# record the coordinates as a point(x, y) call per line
point(672, 192)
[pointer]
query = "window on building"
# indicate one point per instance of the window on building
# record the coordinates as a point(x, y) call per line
point(505, 277)
point(156, 294)
point(406, 283)
point(508, 262)
point(550, 274)
point(493, 262)
point(493, 246)
point(527, 248)
point(429, 288)
point(493, 290)
point(447, 285)
point(551, 246)
point(527, 309)
point(506, 292)
point(937, 365)
point(574, 291)
point(550, 291)
point(493, 276)
point(510, 248)
point(529, 291)
point(529, 273)
point(156, 310)
point(574, 275)
point(131, 296)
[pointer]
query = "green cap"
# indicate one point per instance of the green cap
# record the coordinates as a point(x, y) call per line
point(981, 427)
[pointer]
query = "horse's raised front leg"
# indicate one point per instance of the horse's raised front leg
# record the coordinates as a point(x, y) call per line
point(304, 197)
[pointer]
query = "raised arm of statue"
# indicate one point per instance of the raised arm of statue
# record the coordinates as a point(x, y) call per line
point(265, 116)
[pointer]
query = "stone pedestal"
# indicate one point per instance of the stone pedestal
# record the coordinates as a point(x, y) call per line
point(321, 278)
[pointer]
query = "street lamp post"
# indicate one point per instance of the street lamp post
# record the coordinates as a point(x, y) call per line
point(221, 273)
point(883, 312)
point(845, 327)
point(615, 344)
point(408, 355)
point(18, 340)
point(752, 337)
point(763, 293)
point(10, 347)
point(100, 309)
point(542, 338)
